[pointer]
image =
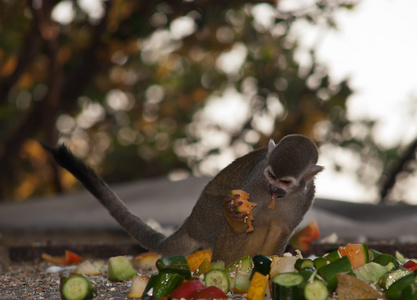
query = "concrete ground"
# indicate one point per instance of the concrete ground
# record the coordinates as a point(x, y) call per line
point(169, 203)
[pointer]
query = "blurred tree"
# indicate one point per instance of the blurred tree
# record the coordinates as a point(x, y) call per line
point(145, 88)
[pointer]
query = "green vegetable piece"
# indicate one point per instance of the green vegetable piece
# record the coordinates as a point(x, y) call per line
point(217, 278)
point(219, 264)
point(242, 281)
point(410, 292)
point(387, 279)
point(319, 262)
point(242, 265)
point(261, 264)
point(78, 287)
point(174, 264)
point(400, 257)
point(120, 269)
point(395, 291)
point(315, 290)
point(372, 271)
point(287, 286)
point(303, 263)
point(332, 256)
point(308, 273)
point(372, 253)
point(384, 259)
point(329, 272)
point(162, 284)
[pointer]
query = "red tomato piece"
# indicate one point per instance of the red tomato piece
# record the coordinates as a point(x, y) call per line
point(186, 289)
point(208, 293)
point(411, 265)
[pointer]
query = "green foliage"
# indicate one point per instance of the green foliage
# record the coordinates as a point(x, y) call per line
point(132, 91)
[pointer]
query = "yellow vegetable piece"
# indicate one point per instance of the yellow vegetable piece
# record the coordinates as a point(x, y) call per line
point(194, 260)
point(204, 267)
point(145, 261)
point(258, 286)
point(138, 286)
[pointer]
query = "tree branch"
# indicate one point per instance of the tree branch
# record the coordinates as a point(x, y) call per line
point(409, 155)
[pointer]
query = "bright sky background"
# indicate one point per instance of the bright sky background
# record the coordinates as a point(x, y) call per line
point(376, 47)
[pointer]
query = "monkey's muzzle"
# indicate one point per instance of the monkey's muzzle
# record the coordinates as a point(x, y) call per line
point(277, 192)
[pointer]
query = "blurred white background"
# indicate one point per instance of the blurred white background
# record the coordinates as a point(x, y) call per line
point(375, 46)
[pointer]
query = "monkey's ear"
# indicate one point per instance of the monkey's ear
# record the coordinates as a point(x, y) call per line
point(312, 171)
point(271, 146)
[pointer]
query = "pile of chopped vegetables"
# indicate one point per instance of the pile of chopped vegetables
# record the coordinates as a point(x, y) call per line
point(351, 271)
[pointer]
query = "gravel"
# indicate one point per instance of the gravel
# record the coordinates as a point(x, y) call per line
point(33, 281)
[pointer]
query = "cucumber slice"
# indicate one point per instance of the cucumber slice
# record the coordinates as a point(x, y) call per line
point(410, 292)
point(373, 254)
point(242, 282)
point(78, 287)
point(332, 256)
point(395, 291)
point(244, 267)
point(217, 278)
point(303, 263)
point(315, 290)
point(308, 273)
point(120, 269)
point(174, 264)
point(329, 272)
point(389, 278)
point(287, 286)
point(319, 262)
point(384, 259)
point(162, 284)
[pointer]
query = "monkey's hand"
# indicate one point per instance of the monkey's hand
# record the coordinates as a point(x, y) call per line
point(236, 219)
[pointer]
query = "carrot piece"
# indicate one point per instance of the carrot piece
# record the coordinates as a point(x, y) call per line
point(258, 286)
point(245, 207)
point(195, 259)
point(69, 258)
point(72, 258)
point(302, 239)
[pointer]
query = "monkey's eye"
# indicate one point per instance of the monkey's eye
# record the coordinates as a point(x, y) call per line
point(286, 182)
point(271, 175)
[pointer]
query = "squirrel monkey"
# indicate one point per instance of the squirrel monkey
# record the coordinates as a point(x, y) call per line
point(279, 179)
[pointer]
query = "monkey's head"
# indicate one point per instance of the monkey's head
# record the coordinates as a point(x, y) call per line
point(292, 163)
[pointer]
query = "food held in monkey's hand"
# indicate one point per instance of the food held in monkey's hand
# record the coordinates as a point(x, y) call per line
point(240, 208)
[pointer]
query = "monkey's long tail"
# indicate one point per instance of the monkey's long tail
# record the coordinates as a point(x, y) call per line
point(146, 236)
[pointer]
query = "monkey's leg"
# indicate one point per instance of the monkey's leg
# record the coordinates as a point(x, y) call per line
point(276, 239)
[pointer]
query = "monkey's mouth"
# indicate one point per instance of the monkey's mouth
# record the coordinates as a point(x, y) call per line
point(278, 193)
